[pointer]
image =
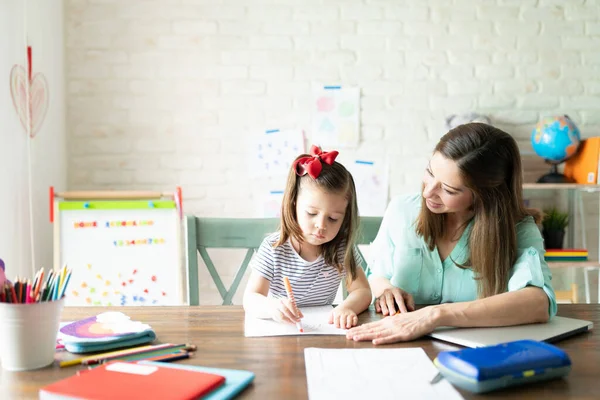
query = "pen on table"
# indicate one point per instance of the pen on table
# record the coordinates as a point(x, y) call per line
point(290, 294)
point(168, 355)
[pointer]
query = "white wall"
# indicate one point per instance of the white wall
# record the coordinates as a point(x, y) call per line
point(166, 92)
point(42, 23)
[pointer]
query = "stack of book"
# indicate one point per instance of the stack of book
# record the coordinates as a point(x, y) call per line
point(566, 255)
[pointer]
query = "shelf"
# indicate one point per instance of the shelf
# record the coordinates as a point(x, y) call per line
point(588, 188)
point(573, 264)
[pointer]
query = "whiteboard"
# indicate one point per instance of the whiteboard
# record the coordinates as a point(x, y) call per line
point(122, 253)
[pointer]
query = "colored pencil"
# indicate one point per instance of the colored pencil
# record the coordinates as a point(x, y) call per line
point(141, 356)
point(113, 354)
point(170, 357)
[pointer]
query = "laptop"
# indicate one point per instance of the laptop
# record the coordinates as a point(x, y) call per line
point(556, 329)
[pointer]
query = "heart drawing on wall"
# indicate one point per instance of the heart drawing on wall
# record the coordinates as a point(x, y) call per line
point(36, 102)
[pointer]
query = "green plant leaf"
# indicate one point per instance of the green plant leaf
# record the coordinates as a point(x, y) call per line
point(555, 220)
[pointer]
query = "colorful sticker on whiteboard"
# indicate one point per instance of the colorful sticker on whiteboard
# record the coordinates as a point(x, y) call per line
point(124, 224)
point(138, 242)
point(137, 287)
point(85, 224)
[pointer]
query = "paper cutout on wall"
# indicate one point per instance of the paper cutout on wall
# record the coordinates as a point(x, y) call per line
point(272, 204)
point(371, 180)
point(30, 95)
point(335, 116)
point(276, 151)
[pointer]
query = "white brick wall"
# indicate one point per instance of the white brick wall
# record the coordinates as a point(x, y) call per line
point(167, 92)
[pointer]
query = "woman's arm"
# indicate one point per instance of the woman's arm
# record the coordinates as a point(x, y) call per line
point(524, 306)
point(259, 305)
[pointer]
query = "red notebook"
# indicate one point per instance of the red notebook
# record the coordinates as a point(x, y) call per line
point(123, 380)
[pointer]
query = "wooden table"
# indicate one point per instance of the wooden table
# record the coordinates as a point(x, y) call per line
point(278, 362)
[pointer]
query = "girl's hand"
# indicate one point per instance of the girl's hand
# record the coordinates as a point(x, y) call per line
point(398, 328)
point(282, 310)
point(385, 303)
point(343, 317)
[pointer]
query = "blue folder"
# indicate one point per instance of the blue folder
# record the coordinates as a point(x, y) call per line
point(236, 380)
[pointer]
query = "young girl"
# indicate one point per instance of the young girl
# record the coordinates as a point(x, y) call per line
point(314, 247)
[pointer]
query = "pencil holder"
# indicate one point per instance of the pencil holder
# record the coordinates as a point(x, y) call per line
point(28, 334)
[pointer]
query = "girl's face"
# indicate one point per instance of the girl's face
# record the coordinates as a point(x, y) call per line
point(443, 189)
point(320, 214)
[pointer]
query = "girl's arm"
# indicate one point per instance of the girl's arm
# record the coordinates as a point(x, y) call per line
point(359, 293)
point(259, 305)
point(524, 306)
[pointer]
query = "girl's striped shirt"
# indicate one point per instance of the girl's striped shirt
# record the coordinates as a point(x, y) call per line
point(314, 283)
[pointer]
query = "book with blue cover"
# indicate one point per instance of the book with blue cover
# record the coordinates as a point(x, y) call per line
point(105, 331)
point(236, 380)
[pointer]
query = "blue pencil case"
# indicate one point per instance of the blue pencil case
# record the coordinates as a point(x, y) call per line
point(515, 363)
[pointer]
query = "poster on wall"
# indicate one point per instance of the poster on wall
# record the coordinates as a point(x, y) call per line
point(272, 204)
point(335, 116)
point(372, 183)
point(275, 151)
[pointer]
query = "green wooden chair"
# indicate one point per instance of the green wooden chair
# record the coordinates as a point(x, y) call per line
point(226, 233)
point(240, 233)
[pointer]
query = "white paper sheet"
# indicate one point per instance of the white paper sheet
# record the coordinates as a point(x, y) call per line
point(315, 322)
point(371, 180)
point(373, 374)
point(335, 116)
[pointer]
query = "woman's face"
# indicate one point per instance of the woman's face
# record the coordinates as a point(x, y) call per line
point(443, 189)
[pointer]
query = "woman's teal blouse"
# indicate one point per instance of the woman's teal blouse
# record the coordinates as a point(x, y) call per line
point(403, 257)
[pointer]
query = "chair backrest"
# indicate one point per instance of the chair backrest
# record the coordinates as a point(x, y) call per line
point(226, 233)
point(369, 226)
point(240, 233)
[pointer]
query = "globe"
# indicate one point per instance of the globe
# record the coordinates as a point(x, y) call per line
point(555, 139)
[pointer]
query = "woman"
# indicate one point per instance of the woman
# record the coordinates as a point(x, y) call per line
point(466, 244)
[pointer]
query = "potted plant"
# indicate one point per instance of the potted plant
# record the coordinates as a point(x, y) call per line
point(554, 224)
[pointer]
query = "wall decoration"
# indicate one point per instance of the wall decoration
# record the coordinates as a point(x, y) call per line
point(372, 183)
point(276, 151)
point(30, 95)
point(335, 117)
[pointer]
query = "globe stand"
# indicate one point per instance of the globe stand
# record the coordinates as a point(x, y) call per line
point(554, 176)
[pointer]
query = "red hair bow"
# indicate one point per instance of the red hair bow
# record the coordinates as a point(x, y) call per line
point(312, 165)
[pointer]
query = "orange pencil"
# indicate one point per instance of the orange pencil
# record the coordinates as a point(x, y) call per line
point(38, 284)
point(290, 295)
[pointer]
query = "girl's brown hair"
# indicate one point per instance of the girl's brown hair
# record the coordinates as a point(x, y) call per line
point(490, 165)
point(333, 178)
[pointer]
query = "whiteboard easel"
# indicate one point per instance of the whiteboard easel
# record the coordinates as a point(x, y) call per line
point(125, 248)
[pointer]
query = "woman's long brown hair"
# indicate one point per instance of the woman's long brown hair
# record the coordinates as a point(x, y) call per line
point(490, 165)
point(333, 178)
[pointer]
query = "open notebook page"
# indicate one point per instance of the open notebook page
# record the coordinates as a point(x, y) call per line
point(315, 322)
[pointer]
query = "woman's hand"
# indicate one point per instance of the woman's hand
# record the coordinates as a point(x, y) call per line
point(397, 328)
point(385, 302)
point(343, 317)
point(282, 310)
